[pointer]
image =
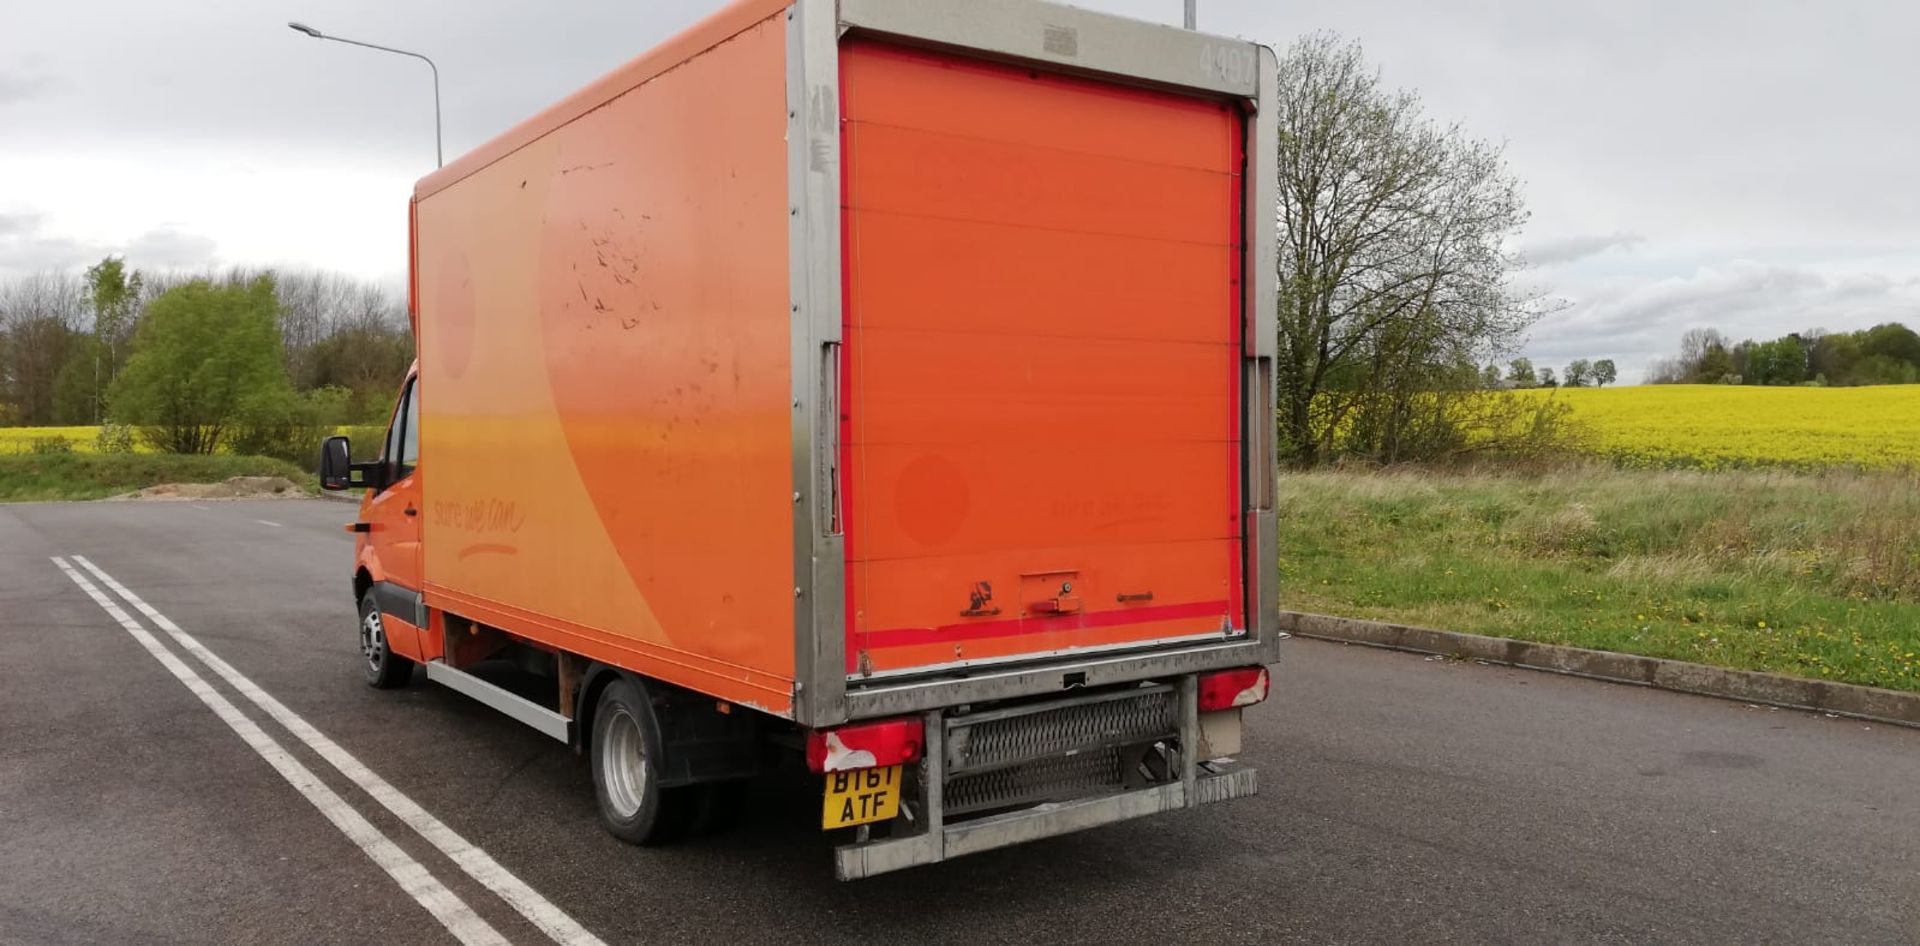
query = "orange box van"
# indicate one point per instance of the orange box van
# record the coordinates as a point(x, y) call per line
point(889, 381)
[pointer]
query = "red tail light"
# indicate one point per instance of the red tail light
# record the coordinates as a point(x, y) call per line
point(1226, 689)
point(865, 745)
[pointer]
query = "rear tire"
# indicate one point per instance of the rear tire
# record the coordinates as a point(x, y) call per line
point(626, 754)
point(385, 669)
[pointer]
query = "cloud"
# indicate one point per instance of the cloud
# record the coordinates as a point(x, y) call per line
point(1725, 131)
point(15, 87)
point(1634, 319)
point(1563, 250)
point(25, 248)
point(167, 248)
point(16, 224)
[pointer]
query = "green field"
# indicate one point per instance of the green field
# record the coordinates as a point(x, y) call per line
point(26, 477)
point(1810, 574)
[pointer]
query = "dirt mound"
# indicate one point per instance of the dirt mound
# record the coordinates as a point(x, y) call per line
point(236, 487)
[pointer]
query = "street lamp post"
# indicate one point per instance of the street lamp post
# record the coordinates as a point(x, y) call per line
point(1191, 21)
point(438, 155)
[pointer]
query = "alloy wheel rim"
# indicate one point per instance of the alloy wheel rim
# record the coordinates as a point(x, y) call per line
point(373, 638)
point(624, 764)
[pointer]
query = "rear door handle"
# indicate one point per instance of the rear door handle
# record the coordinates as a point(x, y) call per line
point(411, 511)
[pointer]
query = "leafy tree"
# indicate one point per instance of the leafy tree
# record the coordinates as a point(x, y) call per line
point(1884, 354)
point(112, 299)
point(1880, 369)
point(368, 362)
point(1546, 378)
point(113, 438)
point(1520, 372)
point(276, 422)
point(1781, 361)
point(79, 396)
point(1604, 373)
point(199, 354)
point(1391, 264)
point(1894, 341)
point(1715, 366)
point(1490, 376)
point(113, 295)
point(65, 336)
point(1834, 356)
point(1579, 373)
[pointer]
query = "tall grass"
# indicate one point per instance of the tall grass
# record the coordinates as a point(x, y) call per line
point(28, 477)
point(1817, 574)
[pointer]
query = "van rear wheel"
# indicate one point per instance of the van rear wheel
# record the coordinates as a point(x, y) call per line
point(385, 669)
point(626, 754)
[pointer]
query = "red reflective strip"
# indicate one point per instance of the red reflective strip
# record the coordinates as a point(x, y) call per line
point(865, 745)
point(1226, 689)
point(1050, 624)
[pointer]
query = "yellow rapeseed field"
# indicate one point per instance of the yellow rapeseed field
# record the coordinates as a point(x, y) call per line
point(22, 439)
point(1711, 427)
point(1704, 427)
point(86, 439)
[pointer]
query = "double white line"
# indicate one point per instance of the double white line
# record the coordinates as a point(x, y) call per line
point(411, 875)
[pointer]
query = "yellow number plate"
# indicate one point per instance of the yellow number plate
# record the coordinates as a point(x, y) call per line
point(861, 796)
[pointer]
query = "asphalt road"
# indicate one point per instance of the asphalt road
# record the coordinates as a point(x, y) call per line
point(1403, 799)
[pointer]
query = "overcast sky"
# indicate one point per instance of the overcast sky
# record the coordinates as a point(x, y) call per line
point(1748, 164)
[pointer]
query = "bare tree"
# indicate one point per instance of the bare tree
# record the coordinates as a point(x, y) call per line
point(64, 336)
point(42, 317)
point(1706, 357)
point(1392, 267)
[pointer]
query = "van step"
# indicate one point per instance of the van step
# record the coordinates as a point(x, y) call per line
point(543, 720)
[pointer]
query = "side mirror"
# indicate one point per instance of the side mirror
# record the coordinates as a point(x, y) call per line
point(336, 464)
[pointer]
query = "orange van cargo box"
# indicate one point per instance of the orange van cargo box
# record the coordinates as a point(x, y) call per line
point(847, 361)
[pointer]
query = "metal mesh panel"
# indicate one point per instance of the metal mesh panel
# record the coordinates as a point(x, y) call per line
point(998, 739)
point(1054, 779)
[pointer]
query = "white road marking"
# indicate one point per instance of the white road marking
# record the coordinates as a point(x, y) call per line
point(477, 863)
point(198, 506)
point(261, 521)
point(450, 910)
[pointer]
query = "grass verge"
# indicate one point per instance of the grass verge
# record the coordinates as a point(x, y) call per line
point(1815, 574)
point(40, 478)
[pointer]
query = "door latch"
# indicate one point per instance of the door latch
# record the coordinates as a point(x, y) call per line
point(1066, 602)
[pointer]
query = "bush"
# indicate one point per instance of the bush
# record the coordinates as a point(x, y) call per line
point(278, 423)
point(113, 438)
point(366, 439)
point(200, 354)
point(49, 446)
point(1453, 425)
